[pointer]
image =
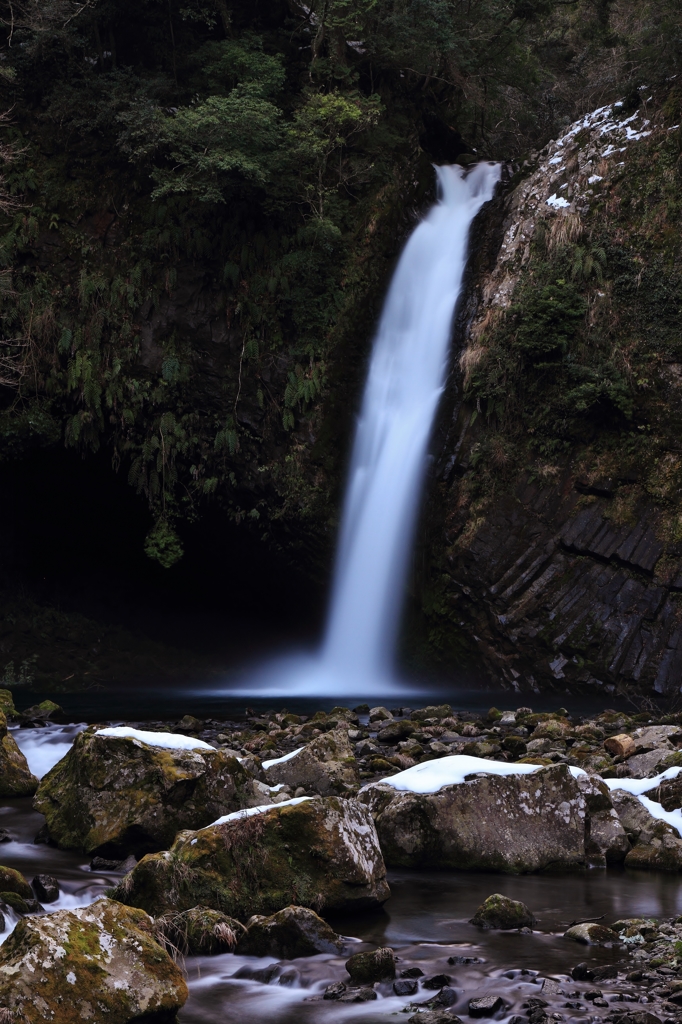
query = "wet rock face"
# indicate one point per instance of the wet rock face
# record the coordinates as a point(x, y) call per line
point(547, 577)
point(102, 959)
point(325, 766)
point(515, 823)
point(116, 796)
point(501, 912)
point(292, 932)
point(322, 853)
point(15, 776)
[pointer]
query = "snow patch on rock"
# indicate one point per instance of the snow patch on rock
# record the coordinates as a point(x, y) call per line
point(169, 740)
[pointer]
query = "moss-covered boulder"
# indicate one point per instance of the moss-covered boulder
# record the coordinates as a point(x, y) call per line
point(290, 933)
point(198, 932)
point(7, 703)
point(117, 795)
point(321, 853)
point(500, 912)
point(15, 776)
point(372, 966)
point(326, 766)
point(13, 881)
point(514, 823)
point(98, 963)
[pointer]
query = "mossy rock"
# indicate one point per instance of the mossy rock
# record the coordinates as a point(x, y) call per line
point(7, 704)
point(102, 960)
point(15, 776)
point(500, 912)
point(432, 711)
point(370, 967)
point(13, 881)
point(16, 902)
point(290, 933)
point(115, 795)
point(321, 853)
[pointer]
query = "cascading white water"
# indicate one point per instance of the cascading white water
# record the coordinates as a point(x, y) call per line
point(405, 381)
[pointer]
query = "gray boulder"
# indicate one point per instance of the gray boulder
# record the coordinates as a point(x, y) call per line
point(591, 934)
point(290, 933)
point(656, 844)
point(326, 766)
point(514, 823)
point(605, 838)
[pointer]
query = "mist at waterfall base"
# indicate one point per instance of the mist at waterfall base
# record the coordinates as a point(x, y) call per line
point(405, 381)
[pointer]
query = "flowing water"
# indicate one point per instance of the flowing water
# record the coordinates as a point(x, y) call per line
point(425, 921)
point(405, 381)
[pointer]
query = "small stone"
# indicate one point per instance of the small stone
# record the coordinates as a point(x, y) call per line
point(405, 987)
point(5, 836)
point(188, 723)
point(591, 934)
point(500, 912)
point(485, 1006)
point(437, 981)
point(412, 972)
point(366, 968)
point(434, 1017)
point(46, 888)
point(446, 997)
point(358, 995)
point(334, 991)
point(621, 745)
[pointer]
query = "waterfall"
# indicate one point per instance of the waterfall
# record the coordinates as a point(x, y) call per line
point(404, 384)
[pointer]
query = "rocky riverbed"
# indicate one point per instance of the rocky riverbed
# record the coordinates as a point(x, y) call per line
point(338, 865)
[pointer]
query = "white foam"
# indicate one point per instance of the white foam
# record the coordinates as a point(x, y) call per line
point(44, 748)
point(281, 760)
point(168, 740)
point(248, 812)
point(431, 776)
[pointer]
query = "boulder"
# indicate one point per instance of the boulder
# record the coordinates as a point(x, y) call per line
point(46, 888)
point(7, 704)
point(640, 766)
point(13, 881)
point(40, 714)
point(669, 794)
point(591, 934)
point(15, 776)
point(656, 844)
point(434, 1017)
point(368, 968)
point(650, 737)
point(485, 1006)
point(502, 913)
point(605, 839)
point(514, 823)
point(198, 932)
point(321, 853)
point(326, 766)
point(98, 963)
point(290, 933)
point(117, 795)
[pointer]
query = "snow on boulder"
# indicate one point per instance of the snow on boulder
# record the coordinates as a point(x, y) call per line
point(98, 963)
point(321, 853)
point(115, 794)
point(505, 817)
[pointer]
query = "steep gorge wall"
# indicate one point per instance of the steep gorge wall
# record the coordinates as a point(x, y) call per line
point(555, 530)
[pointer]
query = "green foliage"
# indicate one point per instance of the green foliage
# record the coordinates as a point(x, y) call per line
point(548, 321)
point(24, 677)
point(163, 545)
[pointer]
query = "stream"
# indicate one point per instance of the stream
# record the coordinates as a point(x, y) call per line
point(425, 921)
